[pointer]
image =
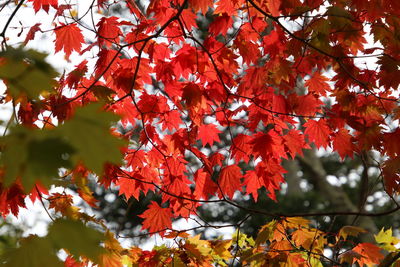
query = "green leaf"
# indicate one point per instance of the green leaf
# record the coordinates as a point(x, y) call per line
point(33, 251)
point(33, 155)
point(77, 238)
point(89, 133)
point(26, 72)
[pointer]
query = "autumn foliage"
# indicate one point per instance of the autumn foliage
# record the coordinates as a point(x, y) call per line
point(262, 82)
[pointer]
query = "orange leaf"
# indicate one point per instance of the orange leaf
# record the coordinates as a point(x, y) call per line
point(274, 6)
point(370, 254)
point(156, 218)
point(202, 5)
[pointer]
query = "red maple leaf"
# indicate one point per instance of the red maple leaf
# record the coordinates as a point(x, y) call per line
point(204, 185)
point(318, 132)
point(229, 180)
point(221, 25)
point(240, 147)
point(253, 182)
point(31, 33)
point(294, 143)
point(172, 120)
point(44, 4)
point(156, 218)
point(68, 37)
point(267, 145)
point(208, 134)
point(318, 84)
point(342, 143)
point(132, 187)
point(305, 105)
point(76, 75)
point(11, 199)
point(109, 31)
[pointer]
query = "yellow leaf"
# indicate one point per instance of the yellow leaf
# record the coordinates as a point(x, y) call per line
point(126, 261)
point(221, 248)
point(112, 243)
point(350, 231)
point(265, 232)
point(242, 239)
point(310, 239)
point(198, 249)
point(296, 222)
point(386, 240)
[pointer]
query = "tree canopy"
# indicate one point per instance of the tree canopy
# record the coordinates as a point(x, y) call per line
point(202, 104)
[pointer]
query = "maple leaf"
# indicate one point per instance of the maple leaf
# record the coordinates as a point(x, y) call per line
point(27, 151)
point(308, 238)
point(294, 142)
point(229, 180)
point(342, 143)
point(18, 68)
point(267, 145)
point(201, 5)
point(226, 6)
point(33, 251)
point(69, 38)
point(253, 182)
point(305, 105)
point(156, 218)
point(205, 187)
point(88, 133)
point(318, 84)
point(240, 147)
point(44, 4)
point(77, 238)
point(109, 31)
point(370, 254)
point(221, 24)
point(132, 187)
point(11, 199)
point(107, 62)
point(76, 75)
point(386, 240)
point(274, 6)
point(349, 230)
point(31, 33)
point(208, 134)
point(318, 132)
